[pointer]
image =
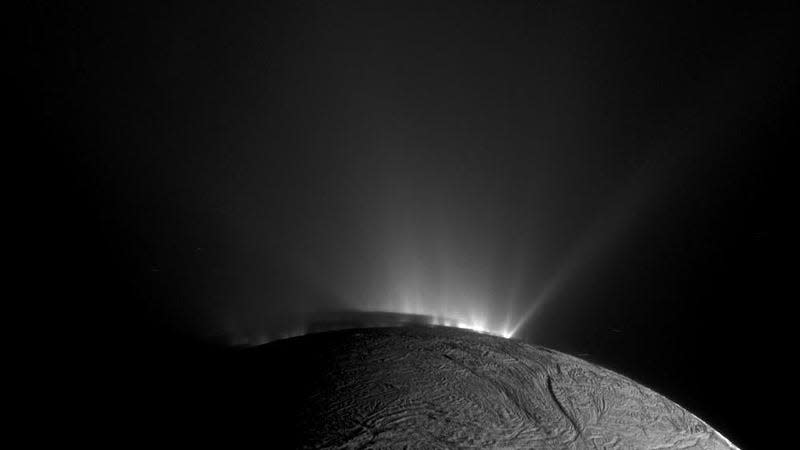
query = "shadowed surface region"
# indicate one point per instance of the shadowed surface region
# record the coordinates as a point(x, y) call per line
point(440, 387)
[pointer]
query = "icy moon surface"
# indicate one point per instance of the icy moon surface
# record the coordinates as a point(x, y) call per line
point(438, 387)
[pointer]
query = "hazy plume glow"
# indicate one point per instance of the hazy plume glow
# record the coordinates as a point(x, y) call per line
point(436, 260)
point(403, 182)
point(589, 178)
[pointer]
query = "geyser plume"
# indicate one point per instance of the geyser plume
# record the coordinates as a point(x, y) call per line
point(440, 240)
point(437, 254)
point(419, 261)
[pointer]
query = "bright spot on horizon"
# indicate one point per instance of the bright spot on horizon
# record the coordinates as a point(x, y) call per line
point(456, 314)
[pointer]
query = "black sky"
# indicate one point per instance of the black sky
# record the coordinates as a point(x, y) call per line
point(222, 168)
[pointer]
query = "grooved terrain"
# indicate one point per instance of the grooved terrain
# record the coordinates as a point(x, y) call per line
point(437, 387)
